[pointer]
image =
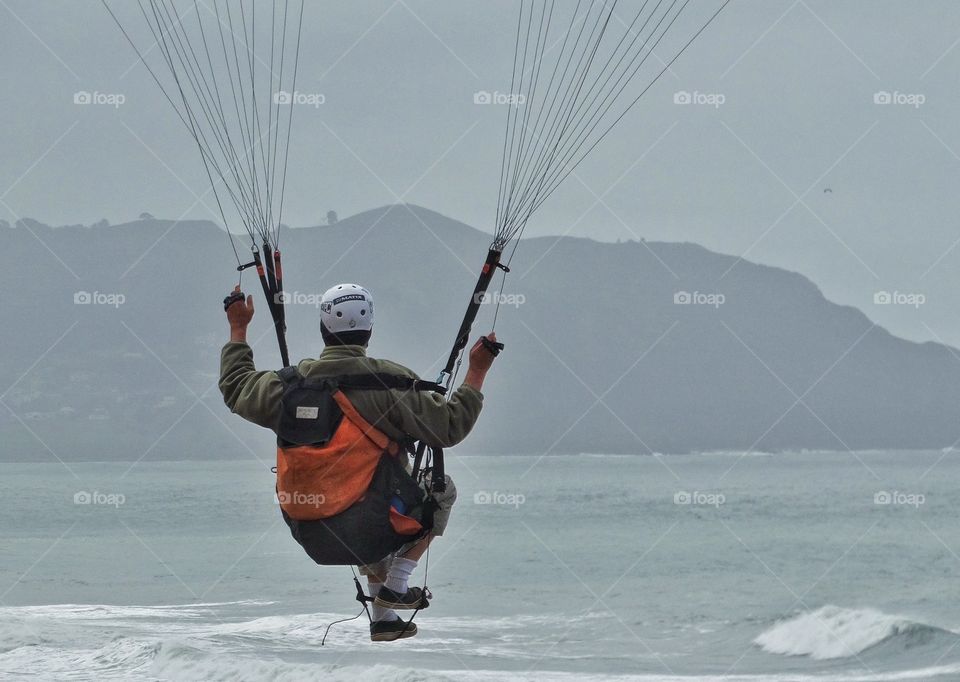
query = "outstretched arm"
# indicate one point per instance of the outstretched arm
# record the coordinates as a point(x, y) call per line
point(444, 423)
point(253, 395)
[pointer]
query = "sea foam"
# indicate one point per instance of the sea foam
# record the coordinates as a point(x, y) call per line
point(834, 632)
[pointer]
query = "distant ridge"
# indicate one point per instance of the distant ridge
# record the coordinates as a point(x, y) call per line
point(635, 347)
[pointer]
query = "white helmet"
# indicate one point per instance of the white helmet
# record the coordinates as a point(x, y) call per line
point(347, 308)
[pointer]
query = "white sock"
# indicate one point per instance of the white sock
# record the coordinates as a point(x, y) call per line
point(379, 613)
point(399, 574)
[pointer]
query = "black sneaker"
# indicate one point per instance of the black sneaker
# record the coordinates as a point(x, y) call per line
point(390, 630)
point(414, 598)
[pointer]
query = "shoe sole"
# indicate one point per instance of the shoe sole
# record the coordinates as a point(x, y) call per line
point(397, 606)
point(393, 636)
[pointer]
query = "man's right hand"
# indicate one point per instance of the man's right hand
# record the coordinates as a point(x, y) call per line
point(480, 362)
point(239, 314)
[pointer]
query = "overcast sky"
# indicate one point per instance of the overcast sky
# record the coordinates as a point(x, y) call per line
point(799, 167)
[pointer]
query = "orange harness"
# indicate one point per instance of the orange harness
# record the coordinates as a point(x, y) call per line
point(343, 488)
point(320, 481)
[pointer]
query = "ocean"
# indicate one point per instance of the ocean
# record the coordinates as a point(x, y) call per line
point(721, 567)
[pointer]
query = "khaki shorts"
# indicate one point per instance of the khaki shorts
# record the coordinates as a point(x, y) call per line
point(440, 518)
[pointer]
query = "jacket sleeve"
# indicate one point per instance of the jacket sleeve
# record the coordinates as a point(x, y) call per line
point(253, 395)
point(438, 422)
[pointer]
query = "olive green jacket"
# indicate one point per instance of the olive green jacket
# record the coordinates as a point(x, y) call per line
point(422, 415)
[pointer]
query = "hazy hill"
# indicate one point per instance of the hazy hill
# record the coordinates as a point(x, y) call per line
point(599, 358)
